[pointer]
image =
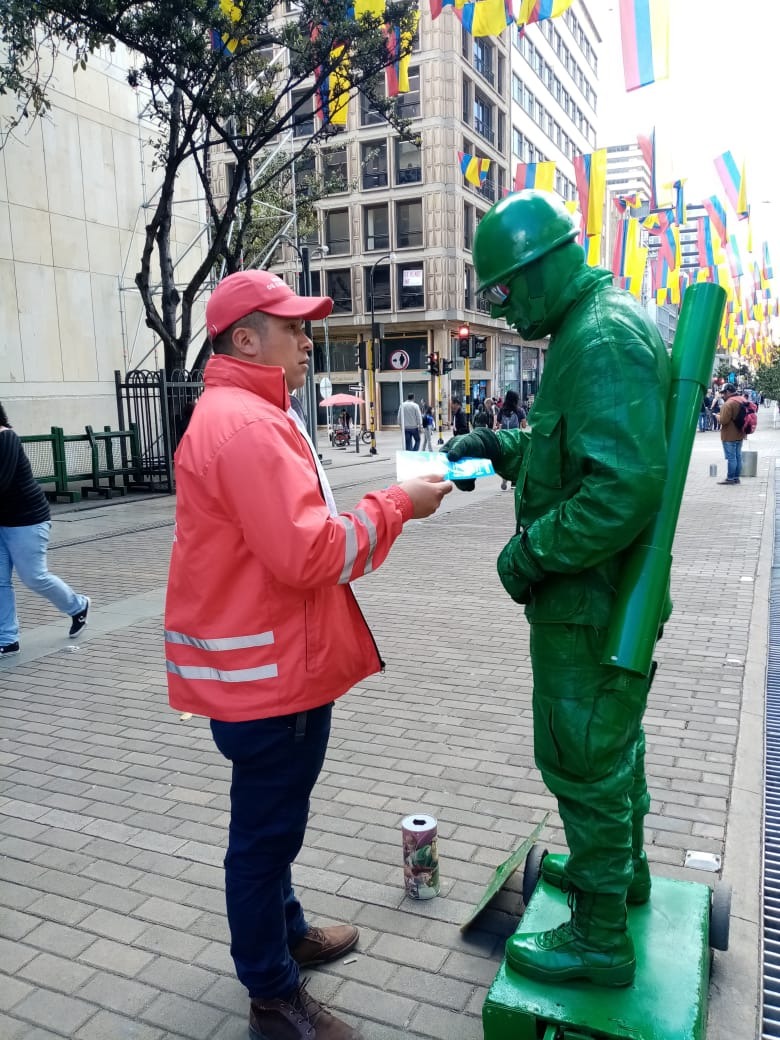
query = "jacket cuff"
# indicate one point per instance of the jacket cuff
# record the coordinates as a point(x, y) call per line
point(402, 502)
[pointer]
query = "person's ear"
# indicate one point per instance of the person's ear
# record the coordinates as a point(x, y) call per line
point(246, 342)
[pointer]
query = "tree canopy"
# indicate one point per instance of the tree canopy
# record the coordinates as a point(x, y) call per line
point(225, 78)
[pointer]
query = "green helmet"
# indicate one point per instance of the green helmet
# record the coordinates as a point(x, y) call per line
point(518, 230)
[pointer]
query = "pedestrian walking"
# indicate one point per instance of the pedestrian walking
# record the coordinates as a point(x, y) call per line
point(262, 630)
point(410, 421)
point(25, 524)
point(589, 476)
point(428, 426)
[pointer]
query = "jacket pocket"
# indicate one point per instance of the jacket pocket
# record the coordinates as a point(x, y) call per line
point(545, 465)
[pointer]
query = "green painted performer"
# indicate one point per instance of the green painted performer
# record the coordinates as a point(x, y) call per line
point(589, 474)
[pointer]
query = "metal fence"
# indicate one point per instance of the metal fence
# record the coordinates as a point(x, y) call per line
point(160, 407)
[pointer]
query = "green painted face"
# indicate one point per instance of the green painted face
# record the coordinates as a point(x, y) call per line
point(537, 291)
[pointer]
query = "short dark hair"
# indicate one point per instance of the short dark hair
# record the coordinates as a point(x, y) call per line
point(410, 397)
point(456, 400)
point(223, 343)
point(3, 417)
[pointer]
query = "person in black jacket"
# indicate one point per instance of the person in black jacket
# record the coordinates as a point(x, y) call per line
point(460, 423)
point(24, 539)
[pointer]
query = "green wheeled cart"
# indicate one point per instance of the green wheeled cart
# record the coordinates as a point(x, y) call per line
point(674, 934)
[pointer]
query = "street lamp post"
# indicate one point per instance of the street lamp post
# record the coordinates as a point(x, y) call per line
point(373, 359)
point(310, 389)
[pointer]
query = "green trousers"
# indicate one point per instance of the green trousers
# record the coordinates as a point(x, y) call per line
point(590, 748)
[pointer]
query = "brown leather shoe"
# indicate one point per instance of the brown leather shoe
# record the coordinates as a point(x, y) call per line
point(299, 1017)
point(321, 945)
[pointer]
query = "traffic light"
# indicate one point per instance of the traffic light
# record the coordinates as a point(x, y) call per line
point(480, 345)
point(360, 355)
point(464, 340)
point(446, 366)
point(433, 364)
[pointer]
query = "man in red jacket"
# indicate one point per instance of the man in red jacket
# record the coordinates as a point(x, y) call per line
point(262, 629)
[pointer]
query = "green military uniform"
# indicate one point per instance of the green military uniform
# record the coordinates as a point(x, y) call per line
point(589, 474)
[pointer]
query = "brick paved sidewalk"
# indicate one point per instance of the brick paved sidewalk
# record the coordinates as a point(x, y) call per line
point(113, 809)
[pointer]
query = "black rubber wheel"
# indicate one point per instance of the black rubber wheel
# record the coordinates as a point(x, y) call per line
point(365, 436)
point(532, 871)
point(720, 911)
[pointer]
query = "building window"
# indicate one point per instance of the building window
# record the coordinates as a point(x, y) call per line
point(407, 105)
point(468, 225)
point(468, 296)
point(368, 114)
point(373, 163)
point(466, 100)
point(340, 289)
point(376, 227)
point(483, 117)
point(408, 220)
point(334, 168)
point(411, 285)
point(408, 162)
point(303, 119)
point(381, 283)
point(337, 232)
point(483, 59)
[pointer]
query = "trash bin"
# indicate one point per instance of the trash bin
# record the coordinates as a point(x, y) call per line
point(749, 463)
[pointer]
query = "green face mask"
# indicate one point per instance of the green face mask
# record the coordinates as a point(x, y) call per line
point(537, 292)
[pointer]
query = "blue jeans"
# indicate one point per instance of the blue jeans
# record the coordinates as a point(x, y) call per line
point(24, 549)
point(733, 452)
point(276, 763)
point(412, 438)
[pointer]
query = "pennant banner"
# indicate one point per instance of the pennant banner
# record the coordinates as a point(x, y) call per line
point(474, 169)
point(644, 31)
point(535, 175)
point(733, 183)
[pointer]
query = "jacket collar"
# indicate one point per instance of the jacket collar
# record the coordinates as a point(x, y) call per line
point(266, 381)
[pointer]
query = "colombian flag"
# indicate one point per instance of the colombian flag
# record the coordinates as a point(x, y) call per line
point(225, 43)
point(644, 30)
point(485, 17)
point(474, 169)
point(535, 175)
point(539, 10)
point(591, 176)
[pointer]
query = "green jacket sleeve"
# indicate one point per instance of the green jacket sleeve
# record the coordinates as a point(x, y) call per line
point(514, 444)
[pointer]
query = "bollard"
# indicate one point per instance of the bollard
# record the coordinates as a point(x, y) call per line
point(749, 464)
point(713, 470)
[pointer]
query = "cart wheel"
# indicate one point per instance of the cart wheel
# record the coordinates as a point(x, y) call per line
point(532, 871)
point(720, 909)
point(365, 436)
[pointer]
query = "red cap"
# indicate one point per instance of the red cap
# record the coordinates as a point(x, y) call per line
point(247, 291)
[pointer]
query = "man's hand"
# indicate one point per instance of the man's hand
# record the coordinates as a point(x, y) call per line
point(518, 570)
point(426, 494)
point(481, 444)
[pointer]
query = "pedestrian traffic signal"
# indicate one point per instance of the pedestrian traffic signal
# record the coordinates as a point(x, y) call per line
point(433, 364)
point(377, 335)
point(464, 340)
point(446, 366)
point(480, 345)
point(360, 355)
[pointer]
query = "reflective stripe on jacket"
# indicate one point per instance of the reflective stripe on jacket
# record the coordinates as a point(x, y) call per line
point(260, 619)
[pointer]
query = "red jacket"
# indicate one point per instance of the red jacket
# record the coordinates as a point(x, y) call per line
point(259, 616)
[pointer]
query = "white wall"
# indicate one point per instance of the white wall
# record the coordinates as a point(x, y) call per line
point(72, 188)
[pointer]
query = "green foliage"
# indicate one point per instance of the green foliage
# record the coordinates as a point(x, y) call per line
point(208, 105)
point(767, 380)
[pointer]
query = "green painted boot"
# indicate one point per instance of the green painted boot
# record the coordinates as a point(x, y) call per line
point(554, 864)
point(594, 945)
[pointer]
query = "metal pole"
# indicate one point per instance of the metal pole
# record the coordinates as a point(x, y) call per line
point(310, 389)
point(467, 394)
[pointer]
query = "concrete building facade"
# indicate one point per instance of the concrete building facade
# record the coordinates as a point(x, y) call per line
point(73, 189)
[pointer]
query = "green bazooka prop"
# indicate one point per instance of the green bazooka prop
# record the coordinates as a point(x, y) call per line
point(636, 614)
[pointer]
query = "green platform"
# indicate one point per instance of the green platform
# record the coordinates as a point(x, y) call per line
point(668, 1000)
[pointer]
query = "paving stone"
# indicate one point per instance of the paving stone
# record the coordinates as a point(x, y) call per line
point(105, 1025)
point(188, 1017)
point(54, 1011)
point(119, 957)
point(58, 973)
